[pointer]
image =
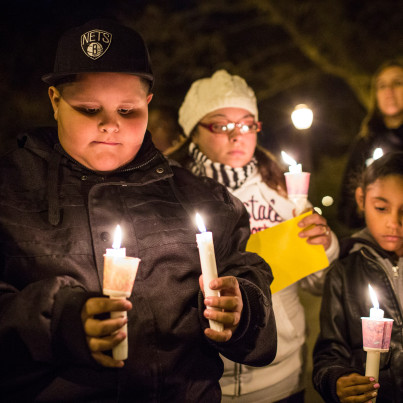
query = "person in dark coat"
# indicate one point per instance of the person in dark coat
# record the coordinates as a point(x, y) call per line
point(63, 192)
point(381, 129)
point(373, 256)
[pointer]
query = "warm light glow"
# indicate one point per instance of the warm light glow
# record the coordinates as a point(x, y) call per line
point(374, 299)
point(117, 238)
point(200, 223)
point(294, 168)
point(327, 201)
point(287, 159)
point(318, 210)
point(302, 117)
point(378, 152)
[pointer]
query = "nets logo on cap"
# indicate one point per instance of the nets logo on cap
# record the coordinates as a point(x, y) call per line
point(95, 43)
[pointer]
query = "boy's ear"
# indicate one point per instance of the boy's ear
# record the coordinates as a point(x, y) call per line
point(54, 96)
point(359, 198)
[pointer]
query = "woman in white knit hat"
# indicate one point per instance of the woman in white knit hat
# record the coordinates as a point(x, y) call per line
point(219, 116)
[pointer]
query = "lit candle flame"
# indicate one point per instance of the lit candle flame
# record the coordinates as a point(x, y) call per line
point(117, 238)
point(374, 299)
point(378, 152)
point(287, 159)
point(200, 223)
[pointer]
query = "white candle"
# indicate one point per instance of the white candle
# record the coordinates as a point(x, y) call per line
point(375, 312)
point(372, 365)
point(208, 265)
point(293, 168)
point(373, 356)
point(119, 275)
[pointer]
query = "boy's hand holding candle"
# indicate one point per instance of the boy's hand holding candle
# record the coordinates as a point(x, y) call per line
point(104, 335)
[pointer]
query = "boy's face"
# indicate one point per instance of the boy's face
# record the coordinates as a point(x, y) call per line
point(101, 118)
point(383, 208)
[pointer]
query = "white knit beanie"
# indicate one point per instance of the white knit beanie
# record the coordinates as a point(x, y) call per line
point(221, 90)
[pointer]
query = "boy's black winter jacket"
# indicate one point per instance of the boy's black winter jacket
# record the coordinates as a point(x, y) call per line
point(56, 220)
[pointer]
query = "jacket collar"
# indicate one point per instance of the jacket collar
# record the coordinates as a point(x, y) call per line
point(148, 166)
point(363, 239)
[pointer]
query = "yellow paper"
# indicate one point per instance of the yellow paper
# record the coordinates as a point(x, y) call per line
point(289, 256)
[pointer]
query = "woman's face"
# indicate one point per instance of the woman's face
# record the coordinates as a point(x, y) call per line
point(233, 148)
point(389, 92)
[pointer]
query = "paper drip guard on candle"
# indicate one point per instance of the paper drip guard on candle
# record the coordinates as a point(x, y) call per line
point(208, 266)
point(376, 335)
point(119, 275)
point(297, 189)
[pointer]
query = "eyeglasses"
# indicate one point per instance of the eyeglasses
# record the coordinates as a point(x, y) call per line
point(244, 128)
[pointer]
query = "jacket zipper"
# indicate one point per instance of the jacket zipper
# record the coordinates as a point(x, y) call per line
point(237, 379)
point(395, 271)
point(395, 274)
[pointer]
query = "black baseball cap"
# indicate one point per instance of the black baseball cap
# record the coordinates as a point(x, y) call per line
point(100, 46)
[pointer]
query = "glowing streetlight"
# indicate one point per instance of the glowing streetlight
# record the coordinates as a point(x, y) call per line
point(302, 117)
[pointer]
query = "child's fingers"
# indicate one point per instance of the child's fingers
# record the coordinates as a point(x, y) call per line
point(356, 388)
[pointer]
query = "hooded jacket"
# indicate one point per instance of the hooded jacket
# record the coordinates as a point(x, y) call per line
point(339, 348)
point(56, 220)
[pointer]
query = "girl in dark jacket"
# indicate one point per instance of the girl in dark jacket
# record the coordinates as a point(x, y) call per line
point(375, 256)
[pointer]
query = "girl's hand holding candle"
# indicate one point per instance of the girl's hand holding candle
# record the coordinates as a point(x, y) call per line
point(208, 265)
point(119, 275)
point(297, 183)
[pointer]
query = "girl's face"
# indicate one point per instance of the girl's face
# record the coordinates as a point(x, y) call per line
point(234, 148)
point(382, 205)
point(389, 92)
point(101, 118)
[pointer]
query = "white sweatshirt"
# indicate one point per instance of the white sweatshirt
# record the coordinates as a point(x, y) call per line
point(283, 377)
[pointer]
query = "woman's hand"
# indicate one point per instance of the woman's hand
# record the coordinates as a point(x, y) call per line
point(316, 230)
point(356, 388)
point(103, 335)
point(229, 304)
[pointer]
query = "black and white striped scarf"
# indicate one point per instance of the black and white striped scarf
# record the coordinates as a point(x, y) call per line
point(232, 178)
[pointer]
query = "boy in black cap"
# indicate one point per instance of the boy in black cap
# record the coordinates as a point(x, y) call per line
point(63, 193)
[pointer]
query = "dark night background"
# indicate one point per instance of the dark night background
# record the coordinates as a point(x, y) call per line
point(318, 52)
